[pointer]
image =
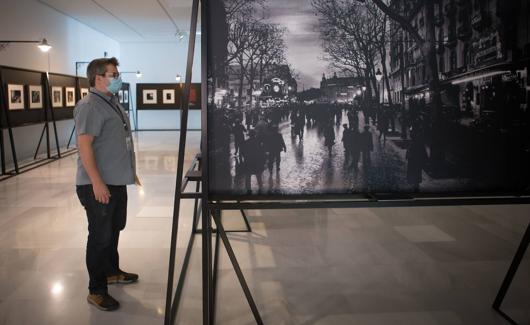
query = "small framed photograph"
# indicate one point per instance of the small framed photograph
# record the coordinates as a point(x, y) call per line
point(126, 96)
point(57, 97)
point(149, 96)
point(84, 92)
point(70, 96)
point(35, 97)
point(168, 96)
point(16, 97)
point(120, 96)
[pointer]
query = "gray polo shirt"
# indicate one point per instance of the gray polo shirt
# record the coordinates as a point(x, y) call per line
point(114, 158)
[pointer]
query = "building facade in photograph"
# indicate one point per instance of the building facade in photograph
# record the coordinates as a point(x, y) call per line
point(341, 89)
point(481, 50)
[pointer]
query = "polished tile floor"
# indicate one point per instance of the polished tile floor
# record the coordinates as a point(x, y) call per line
point(329, 266)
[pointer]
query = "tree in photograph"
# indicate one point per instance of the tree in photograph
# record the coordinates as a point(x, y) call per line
point(271, 52)
point(226, 35)
point(257, 47)
point(353, 36)
point(427, 45)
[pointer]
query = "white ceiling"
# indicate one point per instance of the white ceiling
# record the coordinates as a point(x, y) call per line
point(130, 20)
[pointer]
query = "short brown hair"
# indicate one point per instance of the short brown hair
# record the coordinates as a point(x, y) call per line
point(99, 67)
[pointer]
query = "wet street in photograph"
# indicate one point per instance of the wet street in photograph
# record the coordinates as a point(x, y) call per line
point(307, 167)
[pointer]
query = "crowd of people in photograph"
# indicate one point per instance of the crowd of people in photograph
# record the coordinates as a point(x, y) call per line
point(251, 142)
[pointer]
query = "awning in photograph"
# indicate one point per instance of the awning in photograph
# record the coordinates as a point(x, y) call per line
point(478, 75)
point(416, 89)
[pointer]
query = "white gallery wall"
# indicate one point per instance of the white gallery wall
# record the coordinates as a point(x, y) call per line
point(71, 41)
point(160, 62)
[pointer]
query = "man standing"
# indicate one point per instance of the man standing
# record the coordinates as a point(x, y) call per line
point(106, 164)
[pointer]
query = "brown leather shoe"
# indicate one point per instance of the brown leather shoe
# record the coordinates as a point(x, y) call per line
point(103, 302)
point(122, 277)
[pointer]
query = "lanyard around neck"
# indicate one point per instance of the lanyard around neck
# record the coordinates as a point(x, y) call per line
point(114, 108)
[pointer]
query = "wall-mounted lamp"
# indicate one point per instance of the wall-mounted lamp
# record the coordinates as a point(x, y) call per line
point(42, 44)
point(138, 73)
point(178, 78)
point(179, 34)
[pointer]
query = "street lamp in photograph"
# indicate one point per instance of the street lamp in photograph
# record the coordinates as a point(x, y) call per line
point(378, 77)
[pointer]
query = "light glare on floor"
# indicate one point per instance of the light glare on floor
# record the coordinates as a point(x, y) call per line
point(57, 289)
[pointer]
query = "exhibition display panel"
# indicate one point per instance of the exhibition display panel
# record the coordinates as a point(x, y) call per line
point(35, 97)
point(285, 125)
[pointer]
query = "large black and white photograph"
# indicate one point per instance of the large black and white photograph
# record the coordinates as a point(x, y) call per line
point(348, 96)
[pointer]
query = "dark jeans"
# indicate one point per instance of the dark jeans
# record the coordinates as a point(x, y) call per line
point(105, 221)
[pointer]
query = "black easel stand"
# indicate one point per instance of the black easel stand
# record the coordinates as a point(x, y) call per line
point(32, 165)
point(506, 283)
point(133, 111)
point(71, 136)
point(46, 128)
point(10, 131)
point(199, 175)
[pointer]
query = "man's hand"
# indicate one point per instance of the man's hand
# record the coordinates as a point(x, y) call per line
point(101, 193)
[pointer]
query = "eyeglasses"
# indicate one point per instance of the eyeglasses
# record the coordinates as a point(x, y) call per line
point(114, 75)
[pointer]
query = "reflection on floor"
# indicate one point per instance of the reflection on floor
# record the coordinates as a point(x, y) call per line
point(336, 266)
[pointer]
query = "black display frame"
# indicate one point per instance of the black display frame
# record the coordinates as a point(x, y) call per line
point(159, 88)
point(26, 77)
point(126, 87)
point(325, 196)
point(63, 81)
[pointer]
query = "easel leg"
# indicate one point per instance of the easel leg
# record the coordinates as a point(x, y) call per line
point(237, 269)
point(183, 273)
point(516, 262)
point(195, 212)
point(249, 229)
point(2, 151)
point(206, 265)
point(13, 151)
point(215, 275)
point(40, 141)
point(71, 136)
